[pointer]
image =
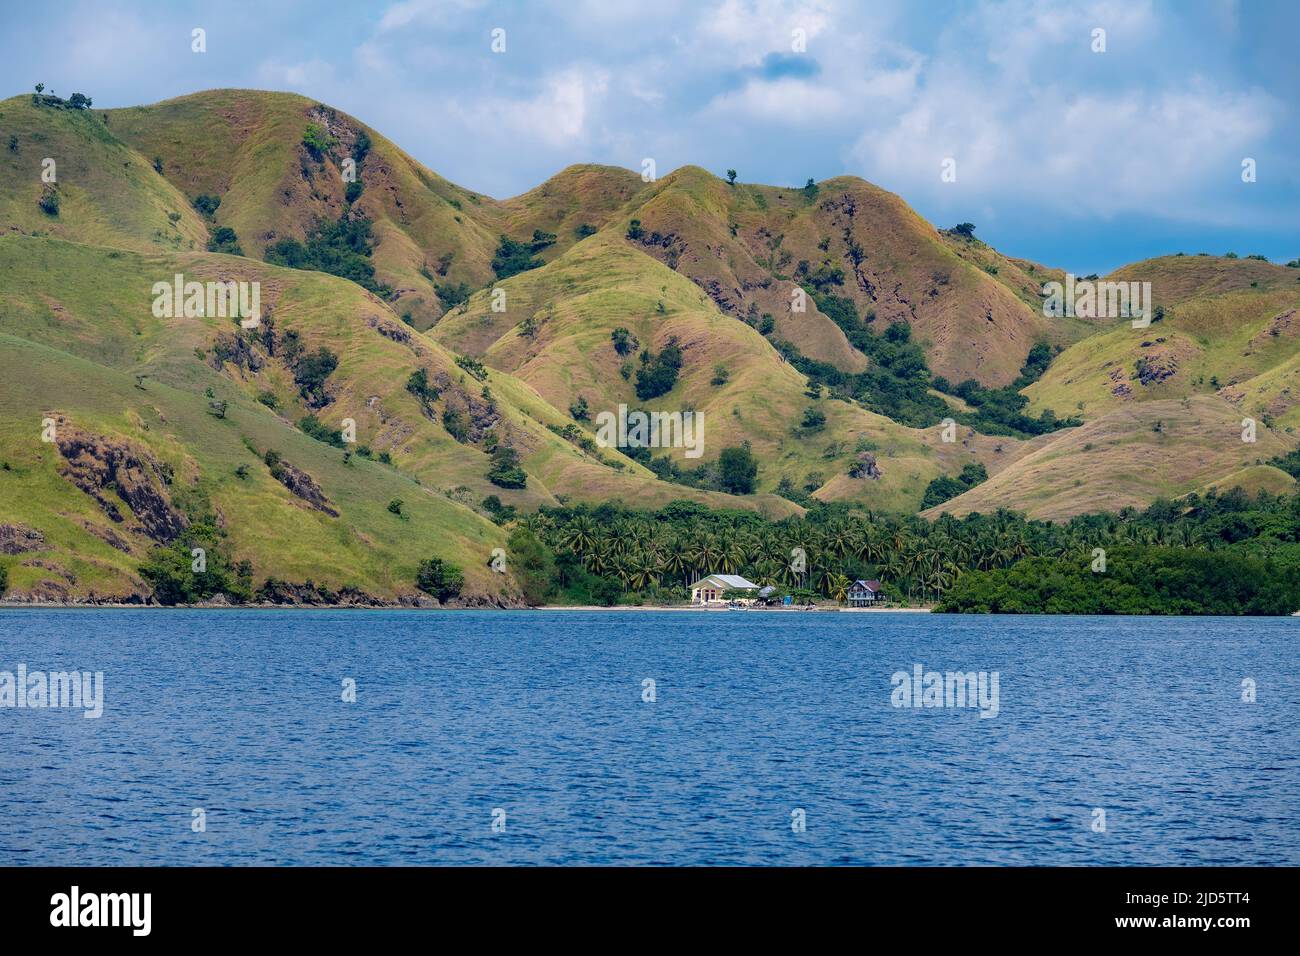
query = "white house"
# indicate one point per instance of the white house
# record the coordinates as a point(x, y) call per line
point(865, 593)
point(710, 590)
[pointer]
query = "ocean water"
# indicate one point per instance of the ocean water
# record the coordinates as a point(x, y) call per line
point(538, 722)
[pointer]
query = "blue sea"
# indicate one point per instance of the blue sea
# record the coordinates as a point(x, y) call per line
point(626, 737)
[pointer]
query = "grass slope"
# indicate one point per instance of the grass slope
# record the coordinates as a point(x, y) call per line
point(107, 193)
point(555, 334)
point(366, 547)
point(744, 245)
point(1128, 457)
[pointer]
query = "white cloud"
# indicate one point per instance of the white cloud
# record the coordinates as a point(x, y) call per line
point(754, 28)
point(792, 101)
point(434, 12)
point(1098, 154)
point(309, 74)
point(558, 115)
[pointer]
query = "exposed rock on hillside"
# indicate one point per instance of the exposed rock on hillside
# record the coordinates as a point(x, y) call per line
point(104, 468)
point(17, 538)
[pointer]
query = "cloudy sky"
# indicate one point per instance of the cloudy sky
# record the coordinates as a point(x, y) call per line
point(1076, 158)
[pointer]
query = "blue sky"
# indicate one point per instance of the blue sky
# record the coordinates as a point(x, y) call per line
point(1075, 158)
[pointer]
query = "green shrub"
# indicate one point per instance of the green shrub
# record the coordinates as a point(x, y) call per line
point(624, 341)
point(945, 487)
point(473, 366)
point(342, 248)
point(452, 294)
point(513, 257)
point(206, 205)
point(313, 426)
point(506, 471)
point(737, 470)
point(456, 423)
point(440, 578)
point(419, 386)
point(317, 141)
point(533, 565)
point(310, 372)
point(223, 239)
point(658, 373)
point(814, 419)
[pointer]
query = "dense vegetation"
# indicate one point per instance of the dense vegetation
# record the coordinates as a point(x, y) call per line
point(1207, 554)
point(735, 471)
point(224, 240)
point(342, 248)
point(1290, 463)
point(196, 567)
point(506, 470)
point(1138, 580)
point(77, 101)
point(658, 373)
point(944, 487)
point(207, 205)
point(898, 384)
point(513, 257)
point(439, 578)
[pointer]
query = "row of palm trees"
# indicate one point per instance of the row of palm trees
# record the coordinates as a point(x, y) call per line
point(920, 559)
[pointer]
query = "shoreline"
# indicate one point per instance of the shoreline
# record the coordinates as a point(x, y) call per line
point(780, 610)
point(109, 605)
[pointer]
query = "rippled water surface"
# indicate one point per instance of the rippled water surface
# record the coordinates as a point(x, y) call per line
point(540, 714)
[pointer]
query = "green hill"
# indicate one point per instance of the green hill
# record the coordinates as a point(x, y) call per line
point(473, 345)
point(106, 193)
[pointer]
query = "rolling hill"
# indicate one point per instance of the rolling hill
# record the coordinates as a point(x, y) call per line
point(473, 344)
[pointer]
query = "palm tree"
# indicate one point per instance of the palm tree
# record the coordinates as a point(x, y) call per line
point(644, 571)
point(580, 536)
point(623, 569)
point(704, 555)
point(675, 561)
point(731, 554)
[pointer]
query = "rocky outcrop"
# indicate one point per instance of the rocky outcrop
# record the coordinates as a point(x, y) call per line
point(1152, 369)
point(108, 536)
point(17, 538)
point(300, 483)
point(109, 470)
point(1284, 325)
point(866, 467)
point(236, 350)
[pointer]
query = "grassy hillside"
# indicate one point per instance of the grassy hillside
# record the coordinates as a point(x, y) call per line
point(1241, 344)
point(749, 246)
point(472, 343)
point(1127, 458)
point(249, 149)
point(91, 307)
point(89, 555)
point(1179, 278)
point(106, 193)
point(556, 333)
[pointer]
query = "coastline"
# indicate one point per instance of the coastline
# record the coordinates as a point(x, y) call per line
point(761, 610)
point(223, 606)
